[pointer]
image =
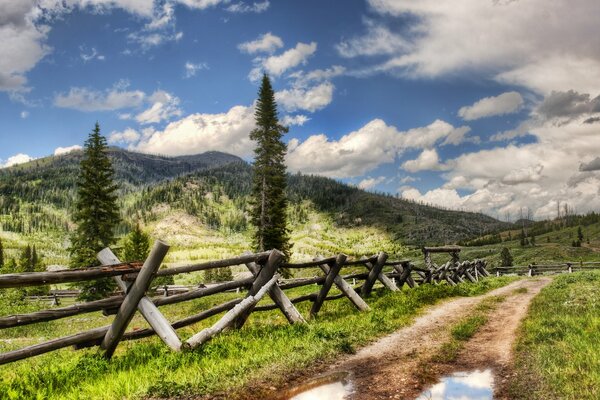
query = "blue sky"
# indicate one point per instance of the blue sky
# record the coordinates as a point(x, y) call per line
point(482, 105)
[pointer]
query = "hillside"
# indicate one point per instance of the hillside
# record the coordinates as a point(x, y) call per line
point(208, 194)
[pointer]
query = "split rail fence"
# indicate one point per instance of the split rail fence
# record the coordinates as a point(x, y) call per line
point(134, 279)
point(541, 269)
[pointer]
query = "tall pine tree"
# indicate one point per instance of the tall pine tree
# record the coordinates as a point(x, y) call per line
point(269, 202)
point(1, 255)
point(96, 212)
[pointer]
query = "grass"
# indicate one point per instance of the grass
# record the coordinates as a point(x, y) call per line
point(266, 348)
point(557, 349)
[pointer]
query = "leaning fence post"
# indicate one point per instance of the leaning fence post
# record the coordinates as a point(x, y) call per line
point(345, 288)
point(132, 298)
point(265, 274)
point(334, 270)
point(149, 311)
point(374, 274)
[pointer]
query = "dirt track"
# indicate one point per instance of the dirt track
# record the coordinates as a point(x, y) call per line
point(399, 367)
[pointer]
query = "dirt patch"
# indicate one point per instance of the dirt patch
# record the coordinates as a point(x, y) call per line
point(398, 366)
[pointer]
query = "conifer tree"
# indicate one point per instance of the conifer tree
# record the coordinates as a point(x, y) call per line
point(25, 263)
point(506, 258)
point(136, 246)
point(269, 181)
point(96, 212)
point(1, 255)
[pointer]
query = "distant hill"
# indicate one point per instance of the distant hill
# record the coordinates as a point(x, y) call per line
point(214, 187)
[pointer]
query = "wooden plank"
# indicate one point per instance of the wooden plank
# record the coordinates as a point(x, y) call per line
point(280, 299)
point(147, 308)
point(66, 276)
point(346, 289)
point(135, 293)
point(374, 273)
point(266, 273)
point(334, 270)
point(232, 315)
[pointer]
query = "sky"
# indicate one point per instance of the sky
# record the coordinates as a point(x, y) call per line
point(480, 105)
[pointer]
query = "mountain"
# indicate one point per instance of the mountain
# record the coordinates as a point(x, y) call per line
point(213, 188)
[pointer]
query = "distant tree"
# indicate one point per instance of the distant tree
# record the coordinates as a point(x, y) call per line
point(506, 258)
point(579, 234)
point(136, 246)
point(547, 239)
point(96, 212)
point(532, 240)
point(269, 202)
point(1, 255)
point(25, 263)
point(523, 239)
point(10, 266)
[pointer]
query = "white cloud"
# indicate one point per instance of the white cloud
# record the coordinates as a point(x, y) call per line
point(266, 43)
point(196, 133)
point(148, 40)
point(201, 4)
point(86, 99)
point(163, 106)
point(379, 40)
point(91, 55)
point(428, 160)
point(16, 159)
point(448, 198)
point(311, 99)
point(127, 136)
point(361, 151)
point(64, 150)
point(191, 69)
point(537, 44)
point(24, 114)
point(506, 103)
point(298, 119)
point(370, 183)
point(247, 8)
point(302, 78)
point(277, 65)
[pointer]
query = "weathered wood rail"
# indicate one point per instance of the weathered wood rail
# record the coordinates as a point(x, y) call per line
point(134, 280)
point(554, 268)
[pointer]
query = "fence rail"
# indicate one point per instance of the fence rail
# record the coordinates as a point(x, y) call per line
point(134, 280)
point(540, 269)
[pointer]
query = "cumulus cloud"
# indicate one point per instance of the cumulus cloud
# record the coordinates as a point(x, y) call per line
point(278, 64)
point(163, 107)
point(311, 99)
point(192, 69)
point(302, 78)
point(568, 104)
point(506, 103)
point(87, 99)
point(361, 151)
point(378, 40)
point(370, 183)
point(127, 136)
point(496, 39)
point(298, 120)
point(257, 7)
point(64, 150)
point(266, 43)
point(593, 165)
point(16, 159)
point(428, 160)
point(196, 133)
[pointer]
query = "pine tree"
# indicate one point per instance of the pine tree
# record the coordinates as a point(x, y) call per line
point(579, 234)
point(1, 255)
point(24, 263)
point(269, 181)
point(506, 258)
point(523, 240)
point(96, 212)
point(136, 246)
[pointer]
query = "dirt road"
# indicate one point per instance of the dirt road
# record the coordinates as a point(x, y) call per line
point(399, 366)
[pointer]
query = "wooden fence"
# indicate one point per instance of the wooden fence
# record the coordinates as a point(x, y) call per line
point(541, 269)
point(134, 280)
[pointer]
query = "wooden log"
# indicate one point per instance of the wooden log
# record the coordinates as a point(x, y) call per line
point(65, 276)
point(346, 289)
point(308, 264)
point(411, 282)
point(147, 308)
point(334, 270)
point(280, 299)
point(442, 249)
point(360, 261)
point(302, 282)
point(404, 271)
point(266, 273)
point(374, 274)
point(203, 292)
point(133, 297)
point(258, 257)
point(232, 315)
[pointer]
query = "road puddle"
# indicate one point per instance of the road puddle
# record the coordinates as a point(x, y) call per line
point(474, 385)
point(328, 387)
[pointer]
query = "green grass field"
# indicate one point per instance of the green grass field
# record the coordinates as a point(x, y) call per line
point(267, 347)
point(558, 351)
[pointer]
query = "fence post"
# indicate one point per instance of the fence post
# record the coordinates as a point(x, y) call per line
point(276, 294)
point(346, 289)
point(264, 275)
point(149, 311)
point(569, 268)
point(334, 270)
point(374, 274)
point(130, 302)
point(530, 273)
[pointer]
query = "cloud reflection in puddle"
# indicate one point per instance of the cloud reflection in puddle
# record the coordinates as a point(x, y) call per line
point(475, 385)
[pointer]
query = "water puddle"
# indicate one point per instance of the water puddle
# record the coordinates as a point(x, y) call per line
point(328, 387)
point(474, 385)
